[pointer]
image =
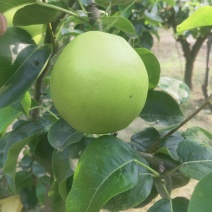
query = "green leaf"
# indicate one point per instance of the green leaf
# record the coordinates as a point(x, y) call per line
point(8, 4)
point(61, 134)
point(176, 88)
point(43, 152)
point(70, 32)
point(142, 140)
point(61, 157)
point(42, 186)
point(65, 186)
point(125, 10)
point(76, 149)
point(105, 3)
point(146, 40)
point(76, 21)
point(179, 204)
point(152, 66)
point(199, 134)
point(200, 18)
point(23, 180)
point(62, 173)
point(178, 179)
point(161, 108)
point(25, 188)
point(150, 198)
point(170, 2)
point(152, 18)
point(26, 103)
point(12, 43)
point(56, 203)
point(26, 162)
point(28, 65)
point(84, 2)
point(3, 140)
point(195, 152)
point(31, 14)
point(118, 22)
point(133, 196)
point(105, 169)
point(201, 199)
point(23, 104)
point(8, 115)
point(38, 170)
point(170, 145)
point(15, 143)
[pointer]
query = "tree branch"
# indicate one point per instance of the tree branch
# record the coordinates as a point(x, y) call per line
point(197, 45)
point(49, 38)
point(165, 136)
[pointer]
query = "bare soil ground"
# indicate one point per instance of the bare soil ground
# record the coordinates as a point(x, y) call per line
point(172, 62)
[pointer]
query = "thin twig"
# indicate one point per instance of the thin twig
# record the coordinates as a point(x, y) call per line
point(165, 136)
point(205, 85)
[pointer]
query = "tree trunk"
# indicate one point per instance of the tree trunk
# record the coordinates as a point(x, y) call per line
point(189, 65)
point(190, 54)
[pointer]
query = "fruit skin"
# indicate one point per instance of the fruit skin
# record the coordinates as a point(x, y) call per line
point(37, 31)
point(99, 83)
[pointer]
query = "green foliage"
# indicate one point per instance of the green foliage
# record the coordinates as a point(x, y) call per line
point(8, 4)
point(118, 22)
point(95, 183)
point(176, 88)
point(178, 204)
point(8, 115)
point(27, 66)
point(151, 63)
point(200, 18)
point(201, 197)
point(14, 37)
point(196, 153)
point(161, 108)
point(49, 164)
point(30, 14)
point(62, 135)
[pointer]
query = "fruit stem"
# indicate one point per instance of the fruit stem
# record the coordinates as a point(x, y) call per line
point(165, 136)
point(59, 9)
